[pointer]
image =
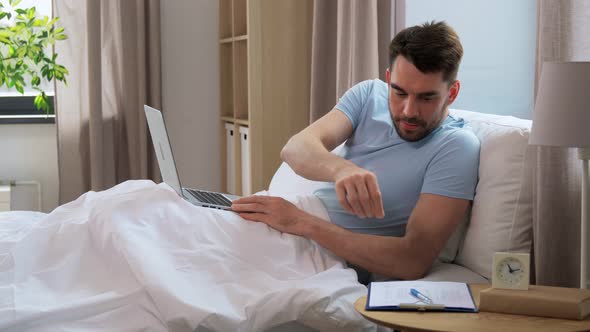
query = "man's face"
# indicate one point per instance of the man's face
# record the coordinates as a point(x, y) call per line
point(417, 101)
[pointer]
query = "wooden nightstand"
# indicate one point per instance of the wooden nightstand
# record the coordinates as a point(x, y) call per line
point(467, 322)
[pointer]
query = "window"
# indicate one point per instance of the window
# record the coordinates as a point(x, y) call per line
point(499, 40)
point(20, 108)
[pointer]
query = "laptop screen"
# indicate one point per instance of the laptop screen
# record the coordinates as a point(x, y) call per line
point(162, 147)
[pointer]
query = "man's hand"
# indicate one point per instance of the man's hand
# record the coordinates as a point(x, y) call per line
point(276, 212)
point(358, 192)
point(308, 154)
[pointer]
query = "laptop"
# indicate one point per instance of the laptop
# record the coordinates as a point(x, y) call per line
point(167, 165)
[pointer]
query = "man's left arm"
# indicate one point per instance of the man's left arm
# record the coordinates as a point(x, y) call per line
point(431, 223)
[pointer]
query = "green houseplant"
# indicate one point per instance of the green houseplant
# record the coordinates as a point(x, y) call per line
point(25, 38)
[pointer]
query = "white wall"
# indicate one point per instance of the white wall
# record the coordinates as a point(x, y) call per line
point(190, 88)
point(28, 152)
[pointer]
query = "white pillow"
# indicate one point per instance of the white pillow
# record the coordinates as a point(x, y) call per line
point(286, 182)
point(501, 216)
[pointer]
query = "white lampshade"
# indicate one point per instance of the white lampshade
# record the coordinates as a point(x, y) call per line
point(562, 109)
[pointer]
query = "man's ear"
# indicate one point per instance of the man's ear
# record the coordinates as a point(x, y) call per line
point(454, 91)
point(387, 76)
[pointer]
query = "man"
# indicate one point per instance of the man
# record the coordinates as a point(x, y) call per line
point(408, 171)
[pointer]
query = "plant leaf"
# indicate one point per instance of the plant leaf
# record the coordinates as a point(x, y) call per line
point(19, 88)
point(38, 23)
point(45, 104)
point(52, 21)
point(38, 101)
point(31, 13)
point(21, 52)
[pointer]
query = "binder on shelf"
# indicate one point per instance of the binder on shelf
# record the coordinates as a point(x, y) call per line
point(245, 153)
point(230, 158)
point(4, 197)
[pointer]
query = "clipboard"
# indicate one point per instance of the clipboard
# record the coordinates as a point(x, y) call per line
point(443, 296)
point(421, 307)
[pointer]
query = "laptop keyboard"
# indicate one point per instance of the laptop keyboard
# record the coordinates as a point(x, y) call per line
point(210, 197)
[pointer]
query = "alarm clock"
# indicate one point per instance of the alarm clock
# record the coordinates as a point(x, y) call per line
point(511, 270)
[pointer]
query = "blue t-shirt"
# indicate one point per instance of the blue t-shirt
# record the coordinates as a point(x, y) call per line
point(444, 163)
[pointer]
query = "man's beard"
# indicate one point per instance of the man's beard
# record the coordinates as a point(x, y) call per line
point(421, 124)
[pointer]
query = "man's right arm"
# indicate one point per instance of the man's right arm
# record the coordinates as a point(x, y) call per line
point(308, 154)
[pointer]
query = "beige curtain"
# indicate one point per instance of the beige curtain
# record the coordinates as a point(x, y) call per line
point(563, 30)
point(350, 41)
point(113, 55)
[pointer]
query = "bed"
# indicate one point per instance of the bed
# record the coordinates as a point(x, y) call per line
point(137, 257)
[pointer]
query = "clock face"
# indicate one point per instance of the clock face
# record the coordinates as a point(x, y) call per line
point(511, 270)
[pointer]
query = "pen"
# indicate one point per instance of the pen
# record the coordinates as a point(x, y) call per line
point(421, 297)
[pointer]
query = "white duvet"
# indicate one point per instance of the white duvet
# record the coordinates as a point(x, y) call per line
point(139, 258)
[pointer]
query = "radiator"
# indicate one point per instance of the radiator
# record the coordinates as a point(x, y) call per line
point(20, 195)
point(4, 197)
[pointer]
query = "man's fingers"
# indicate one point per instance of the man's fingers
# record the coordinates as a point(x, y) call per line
point(352, 197)
point(341, 193)
point(251, 199)
point(246, 207)
point(364, 199)
point(376, 199)
point(359, 194)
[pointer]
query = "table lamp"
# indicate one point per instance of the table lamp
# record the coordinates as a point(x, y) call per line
point(562, 118)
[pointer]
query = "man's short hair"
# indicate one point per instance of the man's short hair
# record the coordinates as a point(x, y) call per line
point(431, 47)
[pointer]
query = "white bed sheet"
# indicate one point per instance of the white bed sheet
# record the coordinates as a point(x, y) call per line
point(138, 257)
